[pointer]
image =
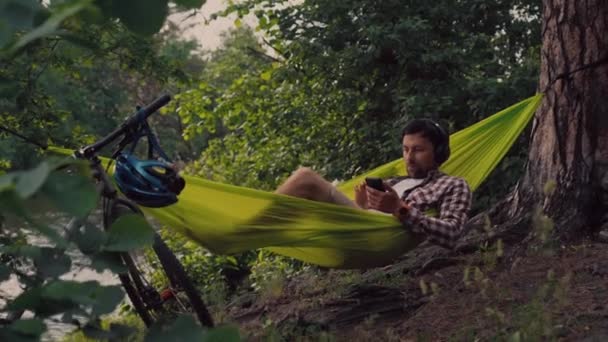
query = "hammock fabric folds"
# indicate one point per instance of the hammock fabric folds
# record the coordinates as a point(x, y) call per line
point(229, 219)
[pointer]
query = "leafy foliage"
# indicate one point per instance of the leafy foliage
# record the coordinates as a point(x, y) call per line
point(215, 276)
point(49, 49)
point(38, 265)
point(337, 81)
point(50, 86)
point(329, 86)
point(333, 83)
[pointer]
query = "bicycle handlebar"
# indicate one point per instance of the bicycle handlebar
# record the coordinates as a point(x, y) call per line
point(145, 112)
point(132, 122)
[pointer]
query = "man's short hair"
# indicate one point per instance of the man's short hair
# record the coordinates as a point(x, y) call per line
point(432, 131)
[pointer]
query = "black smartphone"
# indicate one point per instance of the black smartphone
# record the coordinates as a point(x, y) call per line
point(375, 183)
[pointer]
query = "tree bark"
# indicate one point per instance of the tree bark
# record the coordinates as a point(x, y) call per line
point(569, 144)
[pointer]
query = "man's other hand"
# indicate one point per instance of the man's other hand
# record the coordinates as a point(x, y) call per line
point(385, 201)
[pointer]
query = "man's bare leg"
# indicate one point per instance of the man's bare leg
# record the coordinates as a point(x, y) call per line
point(305, 183)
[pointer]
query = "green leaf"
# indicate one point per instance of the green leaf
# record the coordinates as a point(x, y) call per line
point(15, 15)
point(11, 203)
point(52, 262)
point(80, 41)
point(28, 182)
point(6, 33)
point(117, 332)
point(9, 88)
point(7, 181)
point(51, 25)
point(30, 327)
point(145, 17)
point(183, 329)
point(107, 299)
point(5, 273)
point(27, 300)
point(73, 193)
point(103, 299)
point(108, 261)
point(26, 251)
point(20, 14)
point(89, 238)
point(190, 3)
point(96, 332)
point(224, 333)
point(129, 232)
point(121, 332)
point(69, 315)
point(266, 75)
point(71, 291)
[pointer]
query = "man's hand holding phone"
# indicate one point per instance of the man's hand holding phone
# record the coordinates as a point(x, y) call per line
point(375, 183)
point(361, 191)
point(381, 196)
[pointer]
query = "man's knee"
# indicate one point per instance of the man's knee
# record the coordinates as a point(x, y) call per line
point(304, 173)
point(306, 178)
point(306, 183)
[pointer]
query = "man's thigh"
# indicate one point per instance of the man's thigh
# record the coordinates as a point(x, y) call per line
point(306, 183)
point(337, 197)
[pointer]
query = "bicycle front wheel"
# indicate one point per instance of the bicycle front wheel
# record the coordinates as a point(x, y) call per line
point(153, 301)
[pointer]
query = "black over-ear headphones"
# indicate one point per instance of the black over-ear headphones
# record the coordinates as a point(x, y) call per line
point(442, 149)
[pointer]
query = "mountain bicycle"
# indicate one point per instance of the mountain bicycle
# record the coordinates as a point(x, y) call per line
point(153, 183)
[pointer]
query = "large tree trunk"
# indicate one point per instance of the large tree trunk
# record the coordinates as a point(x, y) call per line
point(569, 144)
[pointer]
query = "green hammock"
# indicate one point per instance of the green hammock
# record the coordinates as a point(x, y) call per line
point(228, 219)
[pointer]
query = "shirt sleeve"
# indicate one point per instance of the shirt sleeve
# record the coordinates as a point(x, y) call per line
point(446, 229)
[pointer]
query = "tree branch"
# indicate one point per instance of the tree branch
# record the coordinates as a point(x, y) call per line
point(26, 139)
point(274, 48)
point(48, 61)
point(263, 55)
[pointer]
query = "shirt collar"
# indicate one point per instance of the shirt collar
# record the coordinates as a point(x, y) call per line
point(433, 174)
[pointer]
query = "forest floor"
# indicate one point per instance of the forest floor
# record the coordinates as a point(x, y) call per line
point(539, 294)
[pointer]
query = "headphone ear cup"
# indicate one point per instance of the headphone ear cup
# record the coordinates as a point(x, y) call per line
point(442, 153)
point(439, 154)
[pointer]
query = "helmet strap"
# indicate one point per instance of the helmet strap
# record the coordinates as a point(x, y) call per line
point(153, 145)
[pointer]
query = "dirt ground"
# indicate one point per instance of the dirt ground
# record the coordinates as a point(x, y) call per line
point(547, 294)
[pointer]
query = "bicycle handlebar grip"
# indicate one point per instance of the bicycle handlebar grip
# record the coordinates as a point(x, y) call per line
point(135, 119)
point(143, 113)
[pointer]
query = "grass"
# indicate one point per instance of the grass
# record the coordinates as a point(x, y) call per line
point(130, 320)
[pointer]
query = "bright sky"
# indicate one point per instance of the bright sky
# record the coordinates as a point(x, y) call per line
point(208, 35)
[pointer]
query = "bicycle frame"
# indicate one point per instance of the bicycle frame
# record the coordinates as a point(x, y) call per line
point(148, 302)
point(129, 131)
point(143, 296)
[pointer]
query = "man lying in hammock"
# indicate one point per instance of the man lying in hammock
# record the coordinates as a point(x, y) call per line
point(425, 148)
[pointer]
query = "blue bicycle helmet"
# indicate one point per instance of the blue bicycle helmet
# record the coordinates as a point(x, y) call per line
point(149, 183)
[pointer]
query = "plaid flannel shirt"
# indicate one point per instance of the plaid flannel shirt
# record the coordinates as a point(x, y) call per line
point(449, 195)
